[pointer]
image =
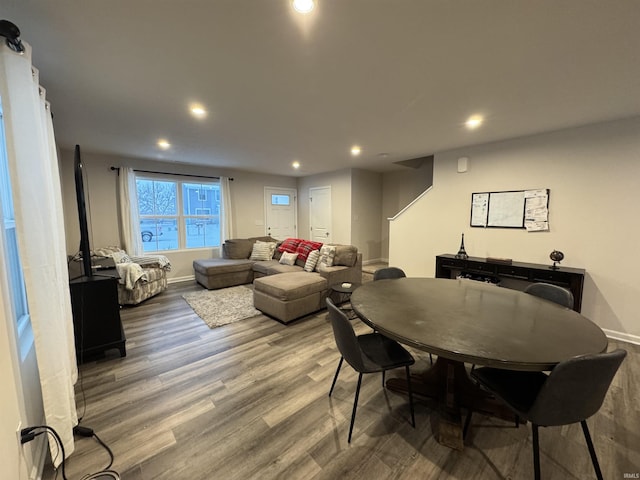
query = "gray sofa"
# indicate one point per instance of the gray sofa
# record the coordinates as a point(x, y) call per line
point(285, 292)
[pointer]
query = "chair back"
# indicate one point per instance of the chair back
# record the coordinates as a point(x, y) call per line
point(550, 292)
point(575, 389)
point(388, 272)
point(345, 336)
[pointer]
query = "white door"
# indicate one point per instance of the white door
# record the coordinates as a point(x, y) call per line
point(281, 212)
point(320, 214)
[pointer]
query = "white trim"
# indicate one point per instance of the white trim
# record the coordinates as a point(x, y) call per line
point(391, 219)
point(623, 337)
point(188, 278)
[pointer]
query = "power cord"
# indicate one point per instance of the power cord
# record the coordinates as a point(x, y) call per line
point(29, 433)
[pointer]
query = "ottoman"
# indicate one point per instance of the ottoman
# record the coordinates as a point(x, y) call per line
point(215, 273)
point(287, 296)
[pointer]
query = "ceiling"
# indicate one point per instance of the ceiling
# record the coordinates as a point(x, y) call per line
point(396, 77)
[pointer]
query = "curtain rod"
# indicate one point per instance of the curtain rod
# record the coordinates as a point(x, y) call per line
point(176, 174)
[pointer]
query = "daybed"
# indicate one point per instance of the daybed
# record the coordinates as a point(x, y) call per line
point(286, 288)
point(140, 277)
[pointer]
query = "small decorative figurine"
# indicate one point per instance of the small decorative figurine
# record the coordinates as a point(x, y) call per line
point(462, 252)
point(557, 257)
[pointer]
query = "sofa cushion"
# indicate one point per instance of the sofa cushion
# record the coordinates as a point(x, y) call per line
point(290, 286)
point(237, 248)
point(345, 255)
point(290, 245)
point(212, 266)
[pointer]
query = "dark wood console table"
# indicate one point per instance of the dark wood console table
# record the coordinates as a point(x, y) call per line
point(96, 313)
point(516, 275)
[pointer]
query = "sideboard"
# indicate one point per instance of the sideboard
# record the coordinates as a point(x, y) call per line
point(516, 275)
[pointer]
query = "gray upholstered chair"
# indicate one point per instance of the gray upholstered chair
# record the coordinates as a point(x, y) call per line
point(369, 353)
point(388, 272)
point(550, 292)
point(571, 393)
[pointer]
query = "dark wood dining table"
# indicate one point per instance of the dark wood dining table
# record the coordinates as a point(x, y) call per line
point(465, 321)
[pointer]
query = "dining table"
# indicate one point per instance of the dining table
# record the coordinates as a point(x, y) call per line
point(469, 323)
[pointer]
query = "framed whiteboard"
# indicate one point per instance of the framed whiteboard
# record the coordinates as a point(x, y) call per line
point(505, 209)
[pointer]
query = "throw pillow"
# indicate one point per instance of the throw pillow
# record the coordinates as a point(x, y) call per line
point(261, 251)
point(312, 260)
point(289, 245)
point(288, 258)
point(327, 253)
point(120, 257)
point(305, 247)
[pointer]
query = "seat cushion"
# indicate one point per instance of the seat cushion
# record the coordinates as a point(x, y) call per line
point(290, 286)
point(216, 266)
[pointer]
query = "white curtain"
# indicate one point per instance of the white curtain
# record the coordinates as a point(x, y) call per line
point(129, 223)
point(226, 220)
point(33, 166)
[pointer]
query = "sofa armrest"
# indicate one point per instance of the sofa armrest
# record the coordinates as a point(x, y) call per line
point(339, 274)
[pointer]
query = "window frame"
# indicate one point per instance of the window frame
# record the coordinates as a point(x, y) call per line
point(180, 217)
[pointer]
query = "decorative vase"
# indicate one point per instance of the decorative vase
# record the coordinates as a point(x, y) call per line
point(462, 253)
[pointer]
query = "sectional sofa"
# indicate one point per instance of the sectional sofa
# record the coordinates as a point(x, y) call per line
point(284, 288)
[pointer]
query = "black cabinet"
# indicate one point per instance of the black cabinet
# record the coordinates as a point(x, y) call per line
point(96, 315)
point(515, 275)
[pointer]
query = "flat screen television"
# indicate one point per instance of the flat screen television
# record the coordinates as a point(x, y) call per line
point(85, 247)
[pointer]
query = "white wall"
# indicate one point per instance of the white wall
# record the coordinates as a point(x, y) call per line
point(247, 198)
point(366, 205)
point(593, 173)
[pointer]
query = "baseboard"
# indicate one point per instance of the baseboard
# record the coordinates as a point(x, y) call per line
point(623, 337)
point(375, 260)
point(188, 278)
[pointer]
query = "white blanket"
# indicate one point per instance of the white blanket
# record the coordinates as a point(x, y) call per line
point(130, 273)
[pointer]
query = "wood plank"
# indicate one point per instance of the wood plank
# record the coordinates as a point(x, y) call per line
point(250, 400)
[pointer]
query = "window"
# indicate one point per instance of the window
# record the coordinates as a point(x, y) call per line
point(278, 199)
point(9, 252)
point(176, 215)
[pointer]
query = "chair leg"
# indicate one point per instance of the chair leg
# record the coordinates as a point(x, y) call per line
point(467, 422)
point(383, 375)
point(355, 406)
point(413, 417)
point(592, 451)
point(430, 359)
point(536, 452)
point(336, 375)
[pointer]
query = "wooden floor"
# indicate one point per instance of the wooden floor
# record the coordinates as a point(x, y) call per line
point(249, 401)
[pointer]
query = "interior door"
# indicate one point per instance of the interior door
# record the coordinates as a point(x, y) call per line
point(320, 214)
point(281, 212)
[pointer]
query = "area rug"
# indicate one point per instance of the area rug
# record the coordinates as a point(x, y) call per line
point(224, 306)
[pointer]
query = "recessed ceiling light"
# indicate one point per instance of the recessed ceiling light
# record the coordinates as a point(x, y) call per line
point(303, 6)
point(355, 150)
point(163, 144)
point(474, 121)
point(197, 110)
point(296, 164)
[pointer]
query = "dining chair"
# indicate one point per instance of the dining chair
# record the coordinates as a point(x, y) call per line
point(550, 292)
point(388, 272)
point(369, 353)
point(547, 291)
point(571, 393)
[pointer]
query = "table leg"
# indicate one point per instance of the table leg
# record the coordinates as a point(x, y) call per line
point(449, 384)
